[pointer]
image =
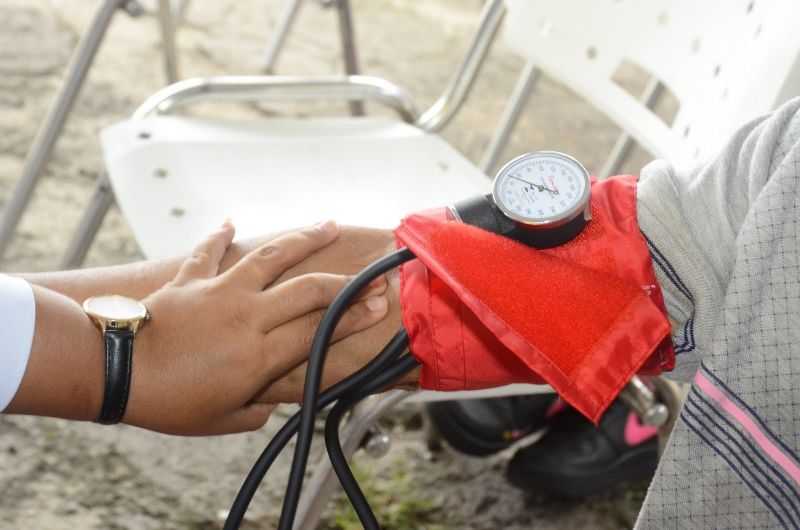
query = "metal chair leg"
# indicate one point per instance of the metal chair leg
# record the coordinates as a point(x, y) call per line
point(167, 21)
point(347, 34)
point(516, 103)
point(639, 397)
point(622, 148)
point(78, 247)
point(54, 121)
point(672, 395)
point(276, 40)
point(323, 482)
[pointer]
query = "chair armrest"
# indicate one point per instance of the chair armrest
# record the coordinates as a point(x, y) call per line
point(444, 108)
point(270, 88)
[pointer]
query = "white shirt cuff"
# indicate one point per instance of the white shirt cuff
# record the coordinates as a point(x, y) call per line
point(17, 322)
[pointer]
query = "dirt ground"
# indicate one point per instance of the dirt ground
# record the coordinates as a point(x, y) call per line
point(56, 474)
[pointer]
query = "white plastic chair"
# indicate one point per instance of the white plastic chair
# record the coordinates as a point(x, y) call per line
point(366, 170)
point(725, 61)
point(276, 175)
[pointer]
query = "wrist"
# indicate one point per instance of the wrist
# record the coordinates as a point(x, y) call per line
point(90, 396)
point(82, 399)
point(65, 373)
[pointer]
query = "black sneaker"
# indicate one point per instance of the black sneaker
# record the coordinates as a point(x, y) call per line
point(481, 427)
point(575, 459)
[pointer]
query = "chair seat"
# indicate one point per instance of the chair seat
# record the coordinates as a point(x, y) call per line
point(516, 389)
point(177, 179)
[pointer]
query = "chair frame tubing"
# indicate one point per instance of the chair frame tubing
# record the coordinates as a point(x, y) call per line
point(278, 88)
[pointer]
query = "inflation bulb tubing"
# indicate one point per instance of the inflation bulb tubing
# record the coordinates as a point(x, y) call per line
point(334, 445)
point(255, 477)
point(319, 349)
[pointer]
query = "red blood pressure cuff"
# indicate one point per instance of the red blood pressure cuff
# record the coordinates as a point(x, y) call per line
point(483, 310)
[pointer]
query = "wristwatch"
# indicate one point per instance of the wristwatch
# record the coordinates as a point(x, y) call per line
point(118, 318)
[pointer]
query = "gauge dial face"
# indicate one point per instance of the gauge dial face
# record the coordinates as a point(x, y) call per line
point(542, 189)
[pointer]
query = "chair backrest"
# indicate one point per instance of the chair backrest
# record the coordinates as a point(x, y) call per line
point(726, 61)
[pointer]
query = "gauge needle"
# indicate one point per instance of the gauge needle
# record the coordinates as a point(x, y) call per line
point(540, 187)
point(544, 187)
point(553, 183)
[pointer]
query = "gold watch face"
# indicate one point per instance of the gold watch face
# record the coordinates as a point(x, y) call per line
point(115, 312)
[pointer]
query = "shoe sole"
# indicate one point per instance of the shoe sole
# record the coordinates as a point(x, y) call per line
point(637, 464)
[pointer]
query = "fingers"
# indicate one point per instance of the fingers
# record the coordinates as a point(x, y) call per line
point(288, 346)
point(357, 318)
point(263, 265)
point(289, 388)
point(204, 260)
point(344, 357)
point(304, 294)
point(286, 349)
point(341, 361)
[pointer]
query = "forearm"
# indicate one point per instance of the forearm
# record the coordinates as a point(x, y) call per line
point(354, 249)
point(65, 372)
point(134, 280)
point(65, 338)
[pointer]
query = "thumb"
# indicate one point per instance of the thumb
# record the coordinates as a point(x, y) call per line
point(205, 258)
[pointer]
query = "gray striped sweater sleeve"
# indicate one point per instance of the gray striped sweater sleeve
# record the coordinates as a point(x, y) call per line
point(725, 245)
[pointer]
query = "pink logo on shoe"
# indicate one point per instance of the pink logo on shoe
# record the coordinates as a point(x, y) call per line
point(635, 432)
point(556, 407)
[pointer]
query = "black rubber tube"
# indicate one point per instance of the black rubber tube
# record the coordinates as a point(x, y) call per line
point(319, 349)
point(255, 477)
point(334, 444)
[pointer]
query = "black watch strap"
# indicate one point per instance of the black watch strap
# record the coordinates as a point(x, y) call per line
point(119, 354)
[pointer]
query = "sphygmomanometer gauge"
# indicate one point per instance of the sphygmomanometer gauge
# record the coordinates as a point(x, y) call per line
point(546, 192)
point(540, 199)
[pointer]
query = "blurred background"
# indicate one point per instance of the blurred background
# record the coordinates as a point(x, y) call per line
point(415, 44)
point(57, 474)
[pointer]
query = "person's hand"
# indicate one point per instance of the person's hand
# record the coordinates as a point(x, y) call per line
point(214, 340)
point(354, 249)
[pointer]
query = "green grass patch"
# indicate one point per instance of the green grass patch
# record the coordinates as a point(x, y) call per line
point(395, 501)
